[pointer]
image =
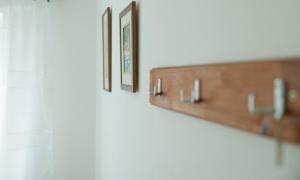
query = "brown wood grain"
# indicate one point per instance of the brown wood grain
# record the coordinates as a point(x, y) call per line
point(108, 13)
point(225, 89)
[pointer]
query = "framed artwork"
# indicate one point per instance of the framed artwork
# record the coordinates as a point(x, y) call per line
point(128, 47)
point(106, 44)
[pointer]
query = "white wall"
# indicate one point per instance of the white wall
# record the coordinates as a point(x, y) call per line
point(71, 73)
point(137, 141)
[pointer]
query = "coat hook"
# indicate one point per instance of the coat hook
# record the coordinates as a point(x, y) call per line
point(156, 89)
point(265, 127)
point(195, 94)
point(279, 102)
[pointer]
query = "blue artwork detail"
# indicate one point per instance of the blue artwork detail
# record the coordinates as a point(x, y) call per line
point(127, 49)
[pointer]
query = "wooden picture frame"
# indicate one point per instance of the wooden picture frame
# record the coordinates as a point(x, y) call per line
point(128, 47)
point(106, 46)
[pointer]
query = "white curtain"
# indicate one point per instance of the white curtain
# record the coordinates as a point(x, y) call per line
point(25, 127)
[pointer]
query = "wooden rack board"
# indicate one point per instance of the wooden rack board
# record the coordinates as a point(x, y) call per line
point(225, 89)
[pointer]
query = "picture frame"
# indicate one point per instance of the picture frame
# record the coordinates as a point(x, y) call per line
point(128, 48)
point(106, 46)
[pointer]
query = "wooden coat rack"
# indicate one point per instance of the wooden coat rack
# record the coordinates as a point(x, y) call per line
point(224, 93)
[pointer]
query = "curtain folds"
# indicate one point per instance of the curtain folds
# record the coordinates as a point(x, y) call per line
point(25, 127)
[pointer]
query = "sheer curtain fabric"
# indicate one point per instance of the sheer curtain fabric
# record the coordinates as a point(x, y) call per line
point(25, 127)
